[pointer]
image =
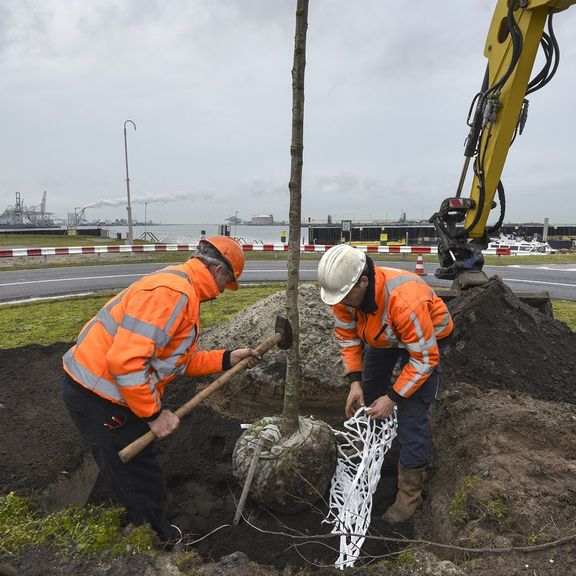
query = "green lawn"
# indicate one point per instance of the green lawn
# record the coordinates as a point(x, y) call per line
point(53, 321)
point(8, 240)
point(565, 311)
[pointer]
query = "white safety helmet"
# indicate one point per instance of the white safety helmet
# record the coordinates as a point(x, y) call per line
point(338, 271)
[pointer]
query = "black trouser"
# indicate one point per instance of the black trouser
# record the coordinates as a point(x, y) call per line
point(413, 412)
point(107, 428)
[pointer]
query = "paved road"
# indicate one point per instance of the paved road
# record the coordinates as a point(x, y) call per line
point(558, 280)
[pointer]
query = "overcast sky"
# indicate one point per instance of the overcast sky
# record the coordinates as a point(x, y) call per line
point(208, 85)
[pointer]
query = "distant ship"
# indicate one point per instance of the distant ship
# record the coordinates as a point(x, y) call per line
point(258, 220)
point(520, 246)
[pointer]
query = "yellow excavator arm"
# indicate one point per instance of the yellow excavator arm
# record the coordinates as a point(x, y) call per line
point(498, 114)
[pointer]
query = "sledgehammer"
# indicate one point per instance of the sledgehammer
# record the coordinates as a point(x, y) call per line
point(282, 338)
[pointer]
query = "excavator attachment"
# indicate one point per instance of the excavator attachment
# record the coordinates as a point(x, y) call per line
point(497, 116)
point(470, 279)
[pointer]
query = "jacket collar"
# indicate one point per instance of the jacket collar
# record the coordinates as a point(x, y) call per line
point(201, 279)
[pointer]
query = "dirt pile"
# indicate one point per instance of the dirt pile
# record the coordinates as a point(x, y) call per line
point(261, 389)
point(500, 342)
point(504, 429)
point(505, 438)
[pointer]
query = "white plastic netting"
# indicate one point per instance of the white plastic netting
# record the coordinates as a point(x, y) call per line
point(361, 450)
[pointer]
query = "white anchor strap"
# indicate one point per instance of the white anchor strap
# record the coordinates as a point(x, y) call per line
point(361, 451)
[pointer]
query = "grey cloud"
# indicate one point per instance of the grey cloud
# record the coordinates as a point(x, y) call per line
point(208, 83)
point(262, 189)
point(24, 26)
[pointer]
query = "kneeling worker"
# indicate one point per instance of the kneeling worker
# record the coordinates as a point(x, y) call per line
point(383, 315)
point(117, 372)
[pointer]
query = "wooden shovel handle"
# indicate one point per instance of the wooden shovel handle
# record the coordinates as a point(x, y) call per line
point(127, 453)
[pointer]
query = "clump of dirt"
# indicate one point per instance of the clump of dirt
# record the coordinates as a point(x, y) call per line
point(501, 342)
point(504, 430)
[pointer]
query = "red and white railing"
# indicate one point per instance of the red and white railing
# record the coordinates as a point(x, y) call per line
point(145, 248)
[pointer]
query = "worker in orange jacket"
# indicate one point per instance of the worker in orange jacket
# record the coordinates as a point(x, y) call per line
point(383, 316)
point(116, 373)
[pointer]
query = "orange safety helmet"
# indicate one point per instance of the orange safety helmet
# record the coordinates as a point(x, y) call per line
point(232, 253)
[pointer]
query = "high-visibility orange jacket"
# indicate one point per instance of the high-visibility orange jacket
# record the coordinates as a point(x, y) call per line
point(144, 337)
point(409, 315)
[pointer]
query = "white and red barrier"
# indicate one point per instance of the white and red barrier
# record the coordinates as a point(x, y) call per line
point(141, 248)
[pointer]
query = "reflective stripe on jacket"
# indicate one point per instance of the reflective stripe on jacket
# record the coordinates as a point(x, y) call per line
point(144, 337)
point(409, 315)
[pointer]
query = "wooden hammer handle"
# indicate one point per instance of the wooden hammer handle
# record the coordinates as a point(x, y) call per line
point(127, 453)
point(219, 382)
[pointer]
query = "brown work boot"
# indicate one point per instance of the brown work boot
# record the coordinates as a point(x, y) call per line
point(409, 497)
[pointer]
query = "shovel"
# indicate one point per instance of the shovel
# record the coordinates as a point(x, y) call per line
point(282, 338)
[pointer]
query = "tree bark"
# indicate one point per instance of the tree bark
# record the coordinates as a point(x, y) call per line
point(292, 389)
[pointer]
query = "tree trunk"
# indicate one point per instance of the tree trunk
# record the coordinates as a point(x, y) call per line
point(291, 393)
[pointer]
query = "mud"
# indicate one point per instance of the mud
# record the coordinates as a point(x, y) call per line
point(504, 453)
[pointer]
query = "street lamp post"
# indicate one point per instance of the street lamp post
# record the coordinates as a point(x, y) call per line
point(128, 206)
point(145, 221)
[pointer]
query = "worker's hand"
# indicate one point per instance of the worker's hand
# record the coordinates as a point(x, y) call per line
point(165, 424)
point(355, 399)
point(381, 407)
point(241, 353)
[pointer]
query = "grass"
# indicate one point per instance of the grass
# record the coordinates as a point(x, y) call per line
point(496, 511)
point(459, 502)
point(51, 321)
point(565, 310)
point(466, 507)
point(48, 322)
point(8, 240)
point(70, 531)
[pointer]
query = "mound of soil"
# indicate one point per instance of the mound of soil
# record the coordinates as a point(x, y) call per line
point(500, 342)
point(504, 456)
point(261, 389)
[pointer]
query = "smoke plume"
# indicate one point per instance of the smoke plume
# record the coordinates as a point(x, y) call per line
point(150, 199)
